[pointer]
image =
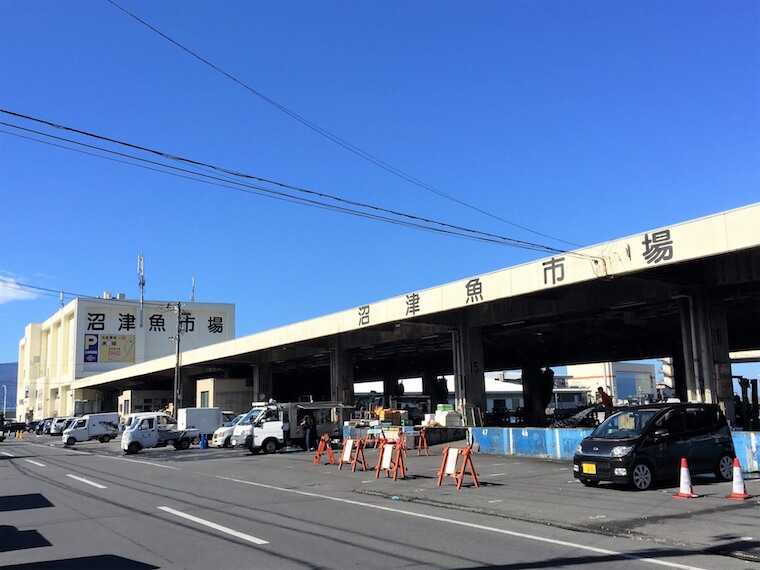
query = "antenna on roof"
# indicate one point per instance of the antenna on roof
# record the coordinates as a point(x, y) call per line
point(141, 283)
point(192, 292)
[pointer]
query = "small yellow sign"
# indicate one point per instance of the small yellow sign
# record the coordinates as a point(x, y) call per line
point(117, 348)
point(589, 468)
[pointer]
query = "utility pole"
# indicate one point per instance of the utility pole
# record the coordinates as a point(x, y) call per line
point(177, 364)
point(141, 283)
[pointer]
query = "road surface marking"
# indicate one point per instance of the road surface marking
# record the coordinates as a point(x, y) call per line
point(497, 475)
point(37, 463)
point(215, 526)
point(138, 461)
point(496, 501)
point(455, 522)
point(8, 454)
point(83, 480)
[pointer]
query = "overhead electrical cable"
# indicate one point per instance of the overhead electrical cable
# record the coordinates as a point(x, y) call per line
point(260, 191)
point(410, 220)
point(332, 137)
point(58, 293)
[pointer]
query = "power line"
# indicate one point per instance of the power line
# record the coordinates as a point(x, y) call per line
point(410, 220)
point(332, 137)
point(59, 293)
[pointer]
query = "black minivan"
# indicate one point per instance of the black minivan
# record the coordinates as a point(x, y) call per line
point(641, 444)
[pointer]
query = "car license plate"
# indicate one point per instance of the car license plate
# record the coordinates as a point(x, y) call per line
point(589, 468)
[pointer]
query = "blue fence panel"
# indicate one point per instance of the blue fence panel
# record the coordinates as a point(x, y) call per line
point(561, 443)
point(746, 447)
point(490, 440)
point(530, 442)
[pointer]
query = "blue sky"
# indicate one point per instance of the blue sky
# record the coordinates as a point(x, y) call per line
point(580, 121)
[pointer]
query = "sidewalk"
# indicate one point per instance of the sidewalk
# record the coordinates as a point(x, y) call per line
point(545, 491)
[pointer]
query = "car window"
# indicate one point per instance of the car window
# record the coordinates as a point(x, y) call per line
point(701, 418)
point(673, 422)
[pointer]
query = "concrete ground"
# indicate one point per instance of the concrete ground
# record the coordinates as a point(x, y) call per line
point(545, 491)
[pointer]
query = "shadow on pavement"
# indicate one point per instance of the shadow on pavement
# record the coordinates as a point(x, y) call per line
point(24, 502)
point(109, 561)
point(12, 538)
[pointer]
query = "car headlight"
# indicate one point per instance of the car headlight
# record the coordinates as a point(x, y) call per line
point(579, 448)
point(621, 450)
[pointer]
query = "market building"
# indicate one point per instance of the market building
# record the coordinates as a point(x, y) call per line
point(88, 337)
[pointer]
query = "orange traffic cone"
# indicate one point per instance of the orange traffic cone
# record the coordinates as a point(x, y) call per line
point(686, 491)
point(739, 491)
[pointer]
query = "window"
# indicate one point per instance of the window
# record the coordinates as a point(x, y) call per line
point(700, 418)
point(204, 399)
point(674, 422)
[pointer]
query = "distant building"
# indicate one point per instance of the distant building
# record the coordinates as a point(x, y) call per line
point(626, 382)
point(91, 336)
point(8, 374)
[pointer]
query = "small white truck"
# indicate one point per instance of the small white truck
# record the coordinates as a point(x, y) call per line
point(205, 420)
point(276, 425)
point(145, 431)
point(104, 427)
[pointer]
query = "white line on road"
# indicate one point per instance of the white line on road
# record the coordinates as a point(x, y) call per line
point(497, 475)
point(455, 522)
point(138, 461)
point(8, 454)
point(215, 526)
point(37, 463)
point(83, 480)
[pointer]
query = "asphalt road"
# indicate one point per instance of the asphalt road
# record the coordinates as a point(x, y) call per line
point(91, 506)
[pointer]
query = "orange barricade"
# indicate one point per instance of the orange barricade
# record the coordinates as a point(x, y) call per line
point(373, 437)
point(325, 445)
point(353, 453)
point(449, 467)
point(391, 458)
point(420, 444)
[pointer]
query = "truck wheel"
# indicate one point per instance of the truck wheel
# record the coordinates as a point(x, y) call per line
point(254, 450)
point(183, 444)
point(70, 441)
point(133, 448)
point(104, 438)
point(269, 446)
point(227, 443)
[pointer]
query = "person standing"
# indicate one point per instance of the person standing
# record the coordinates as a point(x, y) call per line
point(606, 402)
point(307, 423)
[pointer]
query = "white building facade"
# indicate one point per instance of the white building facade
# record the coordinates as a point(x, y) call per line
point(92, 336)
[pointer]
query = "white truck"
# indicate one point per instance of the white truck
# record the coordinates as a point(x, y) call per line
point(205, 420)
point(104, 427)
point(276, 425)
point(145, 431)
point(165, 421)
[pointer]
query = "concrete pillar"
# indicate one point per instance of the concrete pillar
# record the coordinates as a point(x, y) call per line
point(724, 384)
point(689, 353)
point(469, 368)
point(390, 386)
point(262, 381)
point(707, 366)
point(341, 375)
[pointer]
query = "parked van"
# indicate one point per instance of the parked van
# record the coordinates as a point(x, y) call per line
point(59, 424)
point(641, 444)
